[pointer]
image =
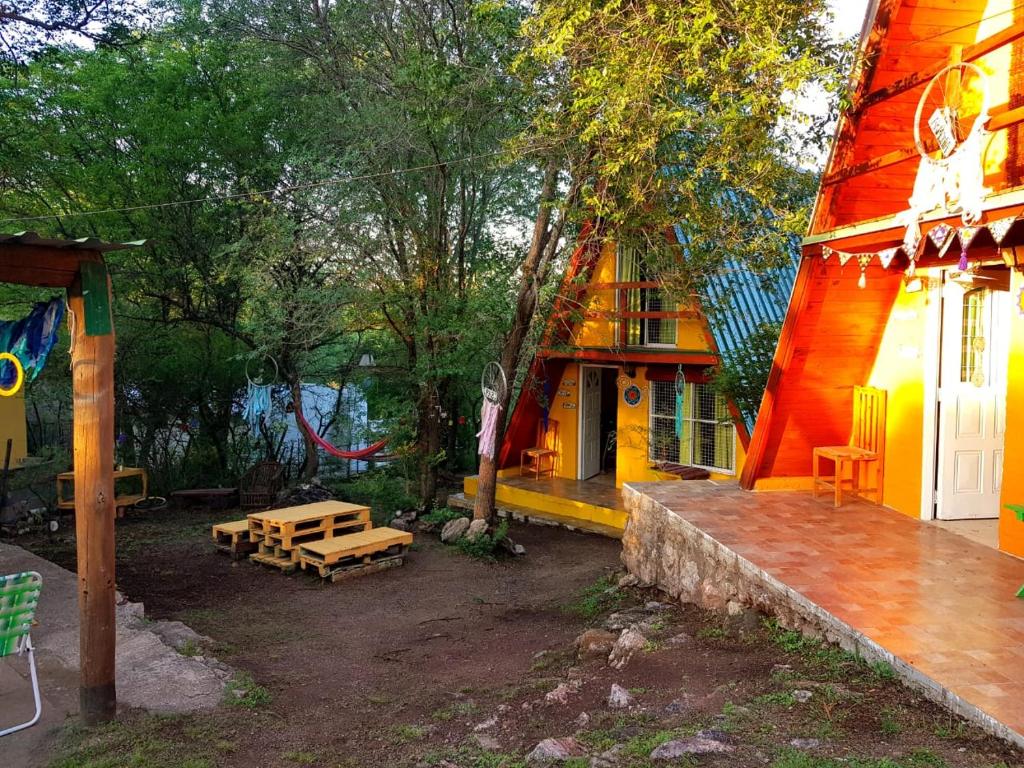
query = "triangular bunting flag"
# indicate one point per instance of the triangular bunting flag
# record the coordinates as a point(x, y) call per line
point(939, 235)
point(912, 241)
point(945, 248)
point(843, 258)
point(826, 252)
point(1000, 228)
point(886, 256)
point(966, 236)
point(864, 259)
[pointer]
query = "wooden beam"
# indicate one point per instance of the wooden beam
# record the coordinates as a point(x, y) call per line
point(40, 265)
point(92, 386)
point(631, 356)
point(970, 53)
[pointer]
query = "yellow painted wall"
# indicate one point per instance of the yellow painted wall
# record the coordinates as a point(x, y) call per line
point(899, 370)
point(12, 427)
point(596, 332)
point(1011, 530)
point(565, 410)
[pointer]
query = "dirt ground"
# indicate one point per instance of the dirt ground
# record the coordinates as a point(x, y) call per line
point(407, 668)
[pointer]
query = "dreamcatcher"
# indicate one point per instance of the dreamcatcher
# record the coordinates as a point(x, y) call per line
point(680, 392)
point(257, 394)
point(953, 111)
point(494, 388)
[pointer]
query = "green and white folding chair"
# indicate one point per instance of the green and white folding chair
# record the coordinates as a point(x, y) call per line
point(19, 596)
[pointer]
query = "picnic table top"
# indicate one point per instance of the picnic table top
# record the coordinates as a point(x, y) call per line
point(118, 473)
point(306, 512)
point(372, 537)
point(204, 492)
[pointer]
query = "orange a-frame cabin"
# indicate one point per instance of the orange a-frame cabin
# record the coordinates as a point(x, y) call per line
point(920, 299)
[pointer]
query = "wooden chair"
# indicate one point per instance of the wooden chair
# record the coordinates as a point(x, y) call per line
point(531, 460)
point(867, 447)
point(260, 485)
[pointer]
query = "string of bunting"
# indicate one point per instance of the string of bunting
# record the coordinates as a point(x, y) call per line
point(942, 236)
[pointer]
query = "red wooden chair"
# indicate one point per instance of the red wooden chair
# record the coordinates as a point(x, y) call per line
point(532, 460)
point(866, 447)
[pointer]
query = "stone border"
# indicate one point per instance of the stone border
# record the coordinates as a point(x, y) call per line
point(664, 549)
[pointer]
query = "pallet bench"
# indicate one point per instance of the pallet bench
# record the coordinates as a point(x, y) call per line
point(355, 553)
point(233, 538)
point(305, 520)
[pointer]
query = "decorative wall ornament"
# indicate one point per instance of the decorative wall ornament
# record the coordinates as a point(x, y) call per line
point(632, 395)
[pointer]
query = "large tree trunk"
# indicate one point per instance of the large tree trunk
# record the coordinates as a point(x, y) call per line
point(429, 446)
point(543, 245)
point(311, 460)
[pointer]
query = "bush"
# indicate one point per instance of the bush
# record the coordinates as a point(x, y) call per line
point(444, 515)
point(384, 492)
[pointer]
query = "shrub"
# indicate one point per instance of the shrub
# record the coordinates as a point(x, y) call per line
point(485, 545)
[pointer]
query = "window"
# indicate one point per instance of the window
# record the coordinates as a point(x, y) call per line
point(707, 438)
point(972, 340)
point(643, 332)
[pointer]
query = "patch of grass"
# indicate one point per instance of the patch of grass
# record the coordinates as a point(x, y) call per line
point(403, 734)
point(829, 660)
point(444, 714)
point(189, 648)
point(243, 691)
point(486, 545)
point(952, 729)
point(601, 597)
point(148, 741)
point(917, 759)
point(774, 699)
point(889, 722)
point(883, 670)
point(300, 757)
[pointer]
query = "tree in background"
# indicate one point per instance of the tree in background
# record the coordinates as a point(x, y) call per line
point(662, 110)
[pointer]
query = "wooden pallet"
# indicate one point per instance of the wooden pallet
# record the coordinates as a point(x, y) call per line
point(285, 564)
point(341, 573)
point(305, 519)
point(337, 528)
point(354, 551)
point(233, 538)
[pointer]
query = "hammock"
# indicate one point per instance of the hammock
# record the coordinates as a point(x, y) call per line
point(361, 453)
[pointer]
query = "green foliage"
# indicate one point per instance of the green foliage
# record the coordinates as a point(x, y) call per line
point(743, 373)
point(243, 691)
point(152, 741)
point(383, 491)
point(603, 596)
point(486, 545)
point(443, 515)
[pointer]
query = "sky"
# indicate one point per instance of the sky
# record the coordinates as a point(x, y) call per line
point(849, 16)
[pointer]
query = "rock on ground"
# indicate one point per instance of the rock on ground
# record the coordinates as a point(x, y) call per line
point(476, 529)
point(629, 642)
point(704, 743)
point(620, 698)
point(595, 643)
point(609, 758)
point(561, 694)
point(552, 751)
point(454, 530)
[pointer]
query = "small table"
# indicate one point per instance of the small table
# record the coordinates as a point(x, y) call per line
point(120, 502)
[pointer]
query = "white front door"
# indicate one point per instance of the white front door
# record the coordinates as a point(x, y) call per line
point(972, 400)
point(590, 423)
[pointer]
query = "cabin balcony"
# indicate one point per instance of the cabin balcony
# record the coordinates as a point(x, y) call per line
point(936, 606)
point(593, 505)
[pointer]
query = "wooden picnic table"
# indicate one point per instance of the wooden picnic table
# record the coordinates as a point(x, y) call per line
point(120, 502)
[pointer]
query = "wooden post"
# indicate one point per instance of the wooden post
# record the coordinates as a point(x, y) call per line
point(92, 375)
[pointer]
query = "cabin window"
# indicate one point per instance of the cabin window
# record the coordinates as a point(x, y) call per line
point(972, 339)
point(644, 331)
point(708, 435)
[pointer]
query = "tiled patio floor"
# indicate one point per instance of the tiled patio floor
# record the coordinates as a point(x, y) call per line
point(939, 602)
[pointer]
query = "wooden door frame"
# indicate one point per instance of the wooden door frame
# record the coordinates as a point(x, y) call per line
point(932, 366)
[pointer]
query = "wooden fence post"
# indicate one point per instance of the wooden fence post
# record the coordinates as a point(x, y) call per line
point(92, 374)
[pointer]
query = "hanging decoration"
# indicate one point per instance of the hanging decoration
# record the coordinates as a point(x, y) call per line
point(680, 391)
point(632, 395)
point(257, 396)
point(942, 236)
point(493, 387)
point(30, 340)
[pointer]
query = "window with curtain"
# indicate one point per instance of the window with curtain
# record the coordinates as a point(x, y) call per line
point(641, 332)
point(708, 437)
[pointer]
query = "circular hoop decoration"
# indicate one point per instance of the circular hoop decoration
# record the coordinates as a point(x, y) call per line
point(947, 111)
point(632, 395)
point(260, 382)
point(493, 382)
point(19, 374)
point(680, 381)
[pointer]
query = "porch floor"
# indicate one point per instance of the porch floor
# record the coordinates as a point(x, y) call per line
point(599, 491)
point(941, 603)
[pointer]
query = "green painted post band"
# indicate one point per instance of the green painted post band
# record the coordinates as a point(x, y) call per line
point(1020, 593)
point(96, 299)
point(1017, 509)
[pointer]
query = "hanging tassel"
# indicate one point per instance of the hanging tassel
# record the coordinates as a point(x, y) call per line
point(862, 281)
point(964, 265)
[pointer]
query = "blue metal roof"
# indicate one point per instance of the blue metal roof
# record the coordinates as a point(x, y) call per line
point(745, 300)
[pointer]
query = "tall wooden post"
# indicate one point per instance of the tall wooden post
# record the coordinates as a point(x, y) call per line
point(92, 366)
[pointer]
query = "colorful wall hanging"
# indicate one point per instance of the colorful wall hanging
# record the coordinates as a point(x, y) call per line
point(31, 340)
point(632, 395)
